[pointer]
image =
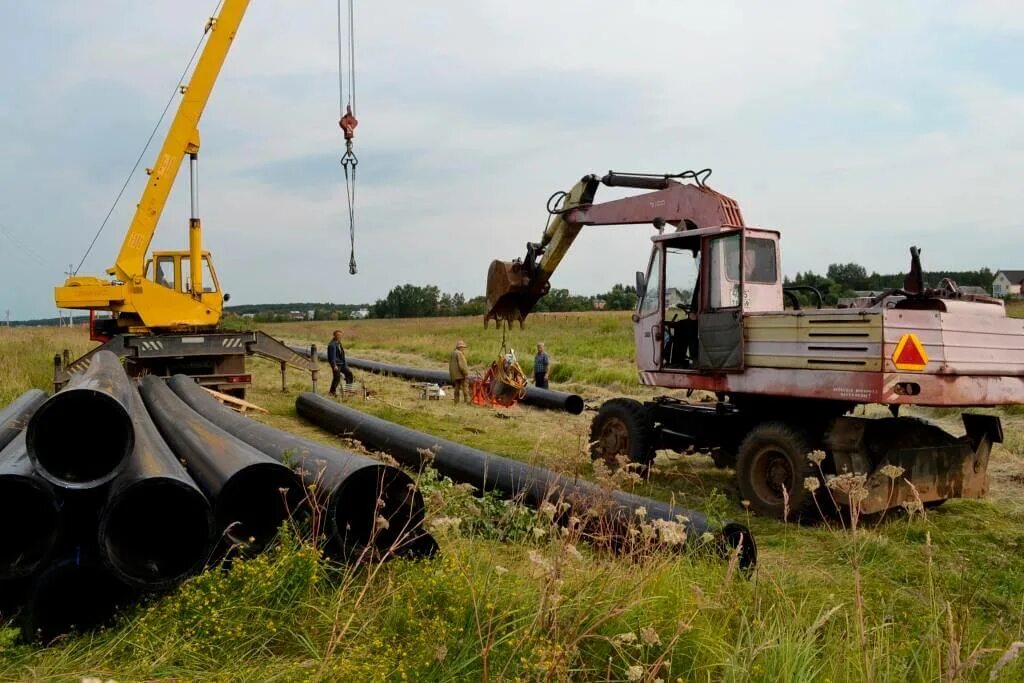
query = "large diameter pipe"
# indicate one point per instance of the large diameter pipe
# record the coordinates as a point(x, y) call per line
point(82, 436)
point(514, 479)
point(540, 398)
point(156, 527)
point(30, 512)
point(367, 504)
point(74, 594)
point(252, 494)
point(14, 418)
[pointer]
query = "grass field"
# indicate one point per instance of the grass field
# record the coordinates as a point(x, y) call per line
point(936, 597)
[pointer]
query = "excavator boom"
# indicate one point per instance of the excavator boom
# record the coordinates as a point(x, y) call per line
point(514, 287)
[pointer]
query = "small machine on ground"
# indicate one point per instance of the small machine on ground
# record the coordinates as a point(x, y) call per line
point(713, 315)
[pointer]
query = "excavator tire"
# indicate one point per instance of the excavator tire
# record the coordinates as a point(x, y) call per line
point(771, 457)
point(621, 428)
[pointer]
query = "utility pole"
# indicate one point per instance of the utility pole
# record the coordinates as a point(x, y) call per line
point(7, 317)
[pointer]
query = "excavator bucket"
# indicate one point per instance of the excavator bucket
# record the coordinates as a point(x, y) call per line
point(509, 294)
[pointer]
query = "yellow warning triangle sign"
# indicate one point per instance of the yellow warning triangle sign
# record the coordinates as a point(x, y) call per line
point(910, 353)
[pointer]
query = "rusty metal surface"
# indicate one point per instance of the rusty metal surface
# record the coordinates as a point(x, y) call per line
point(909, 461)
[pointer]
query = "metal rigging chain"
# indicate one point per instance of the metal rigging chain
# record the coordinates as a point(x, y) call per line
point(348, 123)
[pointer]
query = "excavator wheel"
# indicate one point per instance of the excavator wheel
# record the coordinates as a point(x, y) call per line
point(773, 457)
point(621, 428)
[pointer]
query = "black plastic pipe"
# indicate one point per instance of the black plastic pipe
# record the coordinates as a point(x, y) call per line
point(541, 398)
point(156, 527)
point(81, 437)
point(518, 480)
point(367, 504)
point(251, 493)
point(30, 512)
point(14, 418)
point(74, 594)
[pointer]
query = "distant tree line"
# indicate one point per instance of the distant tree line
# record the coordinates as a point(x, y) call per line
point(414, 301)
point(844, 279)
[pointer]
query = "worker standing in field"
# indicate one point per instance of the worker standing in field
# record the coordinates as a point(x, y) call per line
point(458, 370)
point(541, 367)
point(336, 359)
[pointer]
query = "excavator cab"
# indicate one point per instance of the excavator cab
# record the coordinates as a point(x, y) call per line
point(692, 299)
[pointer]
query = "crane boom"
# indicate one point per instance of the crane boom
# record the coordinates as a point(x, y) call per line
point(182, 139)
point(178, 298)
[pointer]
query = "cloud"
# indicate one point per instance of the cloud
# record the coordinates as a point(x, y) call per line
point(855, 128)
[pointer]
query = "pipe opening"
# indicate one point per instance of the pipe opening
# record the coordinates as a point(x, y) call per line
point(156, 532)
point(376, 506)
point(71, 596)
point(30, 527)
point(81, 438)
point(255, 501)
point(574, 404)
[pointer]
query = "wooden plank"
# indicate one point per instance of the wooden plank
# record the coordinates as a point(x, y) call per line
point(238, 404)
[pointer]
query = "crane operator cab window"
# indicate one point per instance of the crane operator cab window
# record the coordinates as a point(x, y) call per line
point(209, 284)
point(682, 272)
point(163, 274)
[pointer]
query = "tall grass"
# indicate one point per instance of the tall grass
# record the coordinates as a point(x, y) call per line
point(513, 596)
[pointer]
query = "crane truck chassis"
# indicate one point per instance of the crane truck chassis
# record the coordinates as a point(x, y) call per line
point(713, 315)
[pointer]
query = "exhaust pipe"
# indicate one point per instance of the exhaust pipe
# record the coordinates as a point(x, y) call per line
point(367, 504)
point(515, 479)
point(156, 527)
point(74, 594)
point(30, 514)
point(540, 398)
point(14, 418)
point(96, 400)
point(252, 495)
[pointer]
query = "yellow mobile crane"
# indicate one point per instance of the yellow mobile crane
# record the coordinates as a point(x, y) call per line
point(165, 309)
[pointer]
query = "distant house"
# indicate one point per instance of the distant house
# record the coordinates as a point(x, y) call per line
point(360, 314)
point(598, 304)
point(296, 315)
point(1007, 283)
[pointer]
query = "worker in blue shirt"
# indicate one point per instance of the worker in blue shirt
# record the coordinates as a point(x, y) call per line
point(541, 367)
point(336, 359)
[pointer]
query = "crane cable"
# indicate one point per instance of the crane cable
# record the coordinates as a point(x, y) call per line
point(174, 93)
point(348, 122)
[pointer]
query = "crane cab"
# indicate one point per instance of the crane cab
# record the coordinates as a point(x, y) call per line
point(692, 298)
point(172, 269)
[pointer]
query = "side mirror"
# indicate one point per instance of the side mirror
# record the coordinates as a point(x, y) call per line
point(641, 284)
point(227, 297)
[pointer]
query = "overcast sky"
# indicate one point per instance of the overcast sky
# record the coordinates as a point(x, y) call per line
point(856, 128)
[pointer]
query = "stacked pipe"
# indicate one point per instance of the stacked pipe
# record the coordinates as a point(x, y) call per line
point(540, 398)
point(617, 511)
point(116, 493)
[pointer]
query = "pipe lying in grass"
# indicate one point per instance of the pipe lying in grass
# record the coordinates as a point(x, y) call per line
point(619, 512)
point(540, 398)
point(367, 504)
point(72, 594)
point(14, 418)
point(82, 436)
point(156, 527)
point(251, 493)
point(30, 514)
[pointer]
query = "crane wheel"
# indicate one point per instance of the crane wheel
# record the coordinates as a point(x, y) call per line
point(621, 428)
point(771, 466)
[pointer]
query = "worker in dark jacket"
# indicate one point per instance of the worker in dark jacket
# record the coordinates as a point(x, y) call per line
point(541, 367)
point(336, 358)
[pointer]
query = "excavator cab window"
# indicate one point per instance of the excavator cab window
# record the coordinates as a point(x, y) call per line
point(682, 273)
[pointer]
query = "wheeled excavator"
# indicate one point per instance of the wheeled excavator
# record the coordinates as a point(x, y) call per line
point(166, 308)
point(713, 314)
